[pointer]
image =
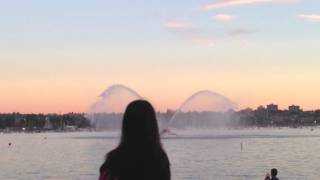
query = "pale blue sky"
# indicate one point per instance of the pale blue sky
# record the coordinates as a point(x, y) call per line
point(100, 42)
point(120, 23)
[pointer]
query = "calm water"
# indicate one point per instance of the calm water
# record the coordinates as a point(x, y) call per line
point(214, 155)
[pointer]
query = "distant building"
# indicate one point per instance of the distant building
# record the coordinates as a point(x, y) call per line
point(272, 108)
point(294, 109)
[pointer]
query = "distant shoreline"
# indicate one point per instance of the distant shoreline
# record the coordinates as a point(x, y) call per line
point(213, 129)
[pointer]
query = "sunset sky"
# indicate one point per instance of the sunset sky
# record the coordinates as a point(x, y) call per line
point(58, 56)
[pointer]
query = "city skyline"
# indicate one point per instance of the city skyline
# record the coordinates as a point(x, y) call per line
point(58, 56)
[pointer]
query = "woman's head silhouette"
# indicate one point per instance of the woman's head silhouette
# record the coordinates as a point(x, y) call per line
point(140, 154)
point(139, 126)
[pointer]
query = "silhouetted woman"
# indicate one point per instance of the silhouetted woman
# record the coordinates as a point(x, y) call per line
point(139, 156)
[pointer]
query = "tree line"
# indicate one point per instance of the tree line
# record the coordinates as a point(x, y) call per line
point(31, 122)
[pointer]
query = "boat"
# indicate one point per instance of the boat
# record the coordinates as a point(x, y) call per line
point(167, 133)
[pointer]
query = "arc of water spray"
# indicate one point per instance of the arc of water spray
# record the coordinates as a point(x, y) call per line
point(109, 91)
point(105, 94)
point(118, 86)
point(194, 95)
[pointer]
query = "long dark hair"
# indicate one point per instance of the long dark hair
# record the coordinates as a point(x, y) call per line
point(140, 154)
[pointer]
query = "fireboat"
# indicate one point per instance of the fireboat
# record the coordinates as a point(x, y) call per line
point(167, 132)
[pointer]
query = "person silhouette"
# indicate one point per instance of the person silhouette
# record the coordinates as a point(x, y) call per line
point(274, 173)
point(139, 154)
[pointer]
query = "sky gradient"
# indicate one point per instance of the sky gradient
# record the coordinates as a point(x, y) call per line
point(58, 56)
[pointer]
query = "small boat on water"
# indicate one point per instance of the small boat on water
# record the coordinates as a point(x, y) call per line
point(167, 133)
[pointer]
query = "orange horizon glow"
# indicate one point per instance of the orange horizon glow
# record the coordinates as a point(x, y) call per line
point(80, 99)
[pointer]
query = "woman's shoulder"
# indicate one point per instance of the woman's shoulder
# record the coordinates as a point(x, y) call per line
point(164, 156)
point(109, 159)
point(112, 154)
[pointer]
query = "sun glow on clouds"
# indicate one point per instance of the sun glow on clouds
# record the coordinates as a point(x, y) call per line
point(231, 3)
point(223, 17)
point(177, 25)
point(310, 17)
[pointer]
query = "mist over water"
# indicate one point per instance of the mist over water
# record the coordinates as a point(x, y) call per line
point(106, 112)
point(203, 110)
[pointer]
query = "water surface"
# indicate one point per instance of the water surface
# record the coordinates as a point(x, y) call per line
point(193, 155)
